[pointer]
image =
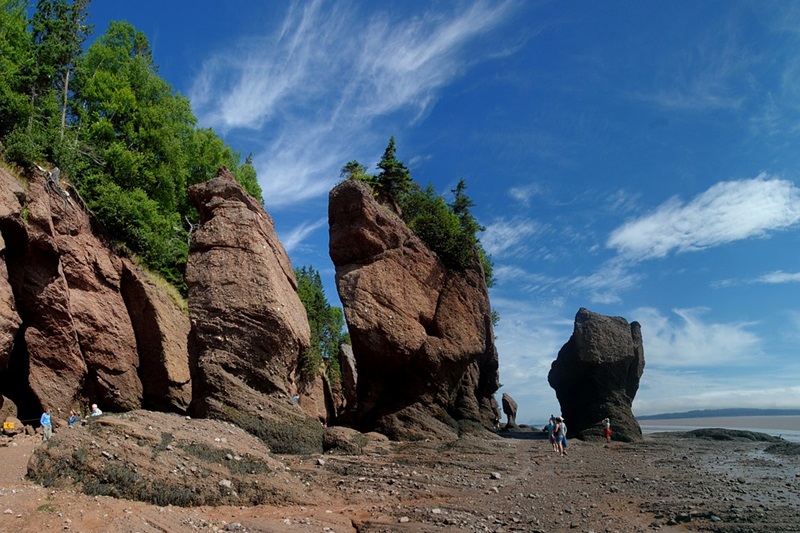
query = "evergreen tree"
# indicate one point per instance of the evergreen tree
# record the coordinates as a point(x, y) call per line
point(59, 31)
point(449, 230)
point(394, 179)
point(326, 323)
point(16, 57)
point(139, 148)
point(353, 170)
point(461, 208)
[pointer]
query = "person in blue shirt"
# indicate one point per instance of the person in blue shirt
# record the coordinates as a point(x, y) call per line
point(73, 418)
point(551, 436)
point(47, 425)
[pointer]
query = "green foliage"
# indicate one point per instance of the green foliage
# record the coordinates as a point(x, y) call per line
point(394, 179)
point(139, 221)
point(449, 230)
point(244, 465)
point(326, 323)
point(16, 57)
point(117, 130)
point(354, 170)
point(432, 220)
point(295, 435)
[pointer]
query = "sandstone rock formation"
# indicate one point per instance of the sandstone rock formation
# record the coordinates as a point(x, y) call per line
point(248, 325)
point(596, 375)
point(161, 326)
point(347, 364)
point(319, 398)
point(421, 334)
point(9, 319)
point(75, 342)
point(7, 408)
point(510, 409)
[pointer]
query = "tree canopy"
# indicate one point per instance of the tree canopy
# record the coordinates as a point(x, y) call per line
point(119, 132)
point(449, 230)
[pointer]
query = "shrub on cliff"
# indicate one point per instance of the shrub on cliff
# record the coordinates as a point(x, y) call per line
point(449, 230)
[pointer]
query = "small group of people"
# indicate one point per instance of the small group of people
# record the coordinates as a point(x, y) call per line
point(557, 433)
point(47, 423)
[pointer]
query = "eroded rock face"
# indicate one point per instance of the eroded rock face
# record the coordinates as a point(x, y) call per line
point(7, 408)
point(248, 325)
point(76, 334)
point(9, 318)
point(161, 327)
point(421, 334)
point(596, 375)
point(74, 342)
point(347, 363)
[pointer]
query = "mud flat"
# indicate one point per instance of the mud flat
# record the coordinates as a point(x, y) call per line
point(702, 481)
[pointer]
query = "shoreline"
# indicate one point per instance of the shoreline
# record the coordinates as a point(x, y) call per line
point(787, 427)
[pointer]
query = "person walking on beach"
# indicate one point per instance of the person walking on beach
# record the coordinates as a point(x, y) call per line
point(561, 435)
point(551, 432)
point(607, 429)
point(47, 425)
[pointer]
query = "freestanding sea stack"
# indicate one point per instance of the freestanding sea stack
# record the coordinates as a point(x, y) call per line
point(596, 375)
point(422, 334)
point(248, 325)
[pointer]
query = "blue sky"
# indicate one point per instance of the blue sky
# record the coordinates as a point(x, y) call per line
point(639, 159)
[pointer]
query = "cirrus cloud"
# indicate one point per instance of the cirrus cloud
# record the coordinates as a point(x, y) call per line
point(728, 211)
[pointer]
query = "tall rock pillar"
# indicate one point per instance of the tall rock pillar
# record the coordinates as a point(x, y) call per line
point(596, 376)
point(248, 325)
point(421, 334)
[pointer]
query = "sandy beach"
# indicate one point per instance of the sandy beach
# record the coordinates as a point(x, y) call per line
point(497, 483)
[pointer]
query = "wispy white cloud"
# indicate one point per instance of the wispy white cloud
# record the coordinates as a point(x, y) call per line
point(328, 72)
point(779, 277)
point(524, 193)
point(691, 342)
point(297, 235)
point(607, 282)
point(727, 212)
point(793, 329)
point(511, 237)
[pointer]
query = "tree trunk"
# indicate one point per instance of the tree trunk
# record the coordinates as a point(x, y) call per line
point(64, 108)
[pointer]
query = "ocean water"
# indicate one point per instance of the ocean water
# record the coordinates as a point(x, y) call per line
point(787, 427)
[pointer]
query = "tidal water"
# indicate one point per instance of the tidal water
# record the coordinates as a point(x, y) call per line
point(787, 427)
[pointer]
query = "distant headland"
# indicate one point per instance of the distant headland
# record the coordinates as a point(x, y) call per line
point(715, 413)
